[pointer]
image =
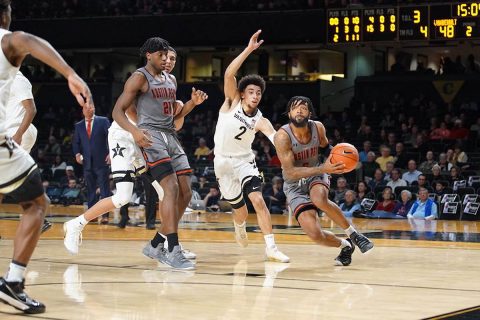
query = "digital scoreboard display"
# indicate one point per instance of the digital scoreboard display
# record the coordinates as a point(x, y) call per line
point(459, 20)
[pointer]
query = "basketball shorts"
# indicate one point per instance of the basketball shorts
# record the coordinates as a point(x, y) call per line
point(232, 173)
point(166, 149)
point(298, 193)
point(15, 166)
point(28, 138)
point(126, 157)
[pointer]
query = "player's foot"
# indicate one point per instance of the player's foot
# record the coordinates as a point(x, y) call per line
point(159, 253)
point(187, 253)
point(345, 256)
point(72, 236)
point(273, 254)
point(362, 242)
point(12, 293)
point(177, 260)
point(46, 225)
point(241, 234)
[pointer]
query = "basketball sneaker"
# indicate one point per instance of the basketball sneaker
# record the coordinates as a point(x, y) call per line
point(345, 256)
point(159, 253)
point(187, 253)
point(12, 293)
point(362, 242)
point(72, 236)
point(46, 225)
point(241, 234)
point(273, 254)
point(177, 260)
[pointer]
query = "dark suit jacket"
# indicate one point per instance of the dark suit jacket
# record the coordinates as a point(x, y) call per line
point(95, 149)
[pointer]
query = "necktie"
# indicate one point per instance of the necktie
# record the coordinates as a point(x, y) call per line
point(89, 128)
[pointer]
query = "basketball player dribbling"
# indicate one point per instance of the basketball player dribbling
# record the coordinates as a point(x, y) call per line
point(154, 93)
point(239, 119)
point(307, 182)
point(126, 162)
point(20, 176)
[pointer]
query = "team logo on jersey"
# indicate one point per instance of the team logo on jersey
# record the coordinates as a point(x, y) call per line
point(9, 145)
point(118, 151)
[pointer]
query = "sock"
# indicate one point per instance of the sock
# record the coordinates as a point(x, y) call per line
point(159, 238)
point(16, 272)
point(344, 244)
point(239, 225)
point(350, 230)
point(81, 220)
point(269, 240)
point(172, 241)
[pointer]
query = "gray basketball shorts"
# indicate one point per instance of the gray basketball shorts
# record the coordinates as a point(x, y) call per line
point(166, 150)
point(298, 193)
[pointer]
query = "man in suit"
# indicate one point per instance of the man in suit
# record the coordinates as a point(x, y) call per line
point(90, 146)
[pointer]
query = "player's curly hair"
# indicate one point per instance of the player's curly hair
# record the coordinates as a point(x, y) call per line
point(303, 99)
point(254, 79)
point(4, 5)
point(152, 45)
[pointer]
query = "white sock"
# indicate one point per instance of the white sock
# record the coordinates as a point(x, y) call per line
point(344, 244)
point(15, 273)
point(269, 240)
point(81, 219)
point(239, 225)
point(350, 230)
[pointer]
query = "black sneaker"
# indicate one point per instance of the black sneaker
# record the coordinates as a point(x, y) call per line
point(46, 225)
point(362, 242)
point(345, 256)
point(12, 293)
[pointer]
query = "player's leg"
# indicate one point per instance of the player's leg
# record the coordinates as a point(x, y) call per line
point(319, 196)
point(103, 182)
point(30, 195)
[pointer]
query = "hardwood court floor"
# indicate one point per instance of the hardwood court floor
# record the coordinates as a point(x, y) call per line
point(413, 273)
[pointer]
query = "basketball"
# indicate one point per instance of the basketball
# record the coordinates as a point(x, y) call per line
point(346, 153)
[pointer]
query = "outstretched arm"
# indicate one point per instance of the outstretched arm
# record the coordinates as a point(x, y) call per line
point(266, 127)
point(287, 158)
point(197, 97)
point(230, 82)
point(18, 45)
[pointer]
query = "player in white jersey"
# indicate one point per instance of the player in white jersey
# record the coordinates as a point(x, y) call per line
point(20, 177)
point(239, 120)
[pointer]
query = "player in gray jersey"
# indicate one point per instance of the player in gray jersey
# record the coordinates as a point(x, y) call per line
point(307, 182)
point(153, 91)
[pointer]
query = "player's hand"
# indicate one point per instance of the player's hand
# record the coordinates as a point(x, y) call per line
point(80, 90)
point(17, 138)
point(254, 43)
point(107, 159)
point(142, 138)
point(198, 96)
point(333, 168)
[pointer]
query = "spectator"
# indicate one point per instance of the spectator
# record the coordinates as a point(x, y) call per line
point(439, 189)
point(377, 180)
point(421, 182)
point(350, 204)
point(90, 147)
point(400, 156)
point(387, 204)
point(388, 174)
point(443, 162)
point(455, 175)
point(363, 191)
point(403, 207)
point(202, 149)
point(340, 190)
point(427, 165)
point(459, 131)
point(396, 181)
point(52, 146)
point(58, 164)
point(475, 128)
point(202, 182)
point(72, 194)
point(459, 158)
point(412, 174)
point(370, 165)
point(423, 208)
point(69, 174)
point(276, 196)
point(436, 175)
point(441, 133)
point(367, 146)
point(211, 199)
point(384, 158)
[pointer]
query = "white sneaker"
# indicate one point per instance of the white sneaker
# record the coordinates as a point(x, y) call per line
point(72, 236)
point(241, 234)
point(273, 254)
point(187, 253)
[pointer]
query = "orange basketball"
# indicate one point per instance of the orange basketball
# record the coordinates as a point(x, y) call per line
point(346, 153)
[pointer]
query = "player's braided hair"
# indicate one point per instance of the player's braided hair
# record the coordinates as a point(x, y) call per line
point(254, 79)
point(4, 5)
point(152, 45)
point(303, 99)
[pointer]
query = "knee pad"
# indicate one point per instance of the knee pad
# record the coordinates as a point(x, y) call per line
point(253, 185)
point(123, 194)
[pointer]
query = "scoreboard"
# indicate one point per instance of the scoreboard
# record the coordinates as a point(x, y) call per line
point(459, 20)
